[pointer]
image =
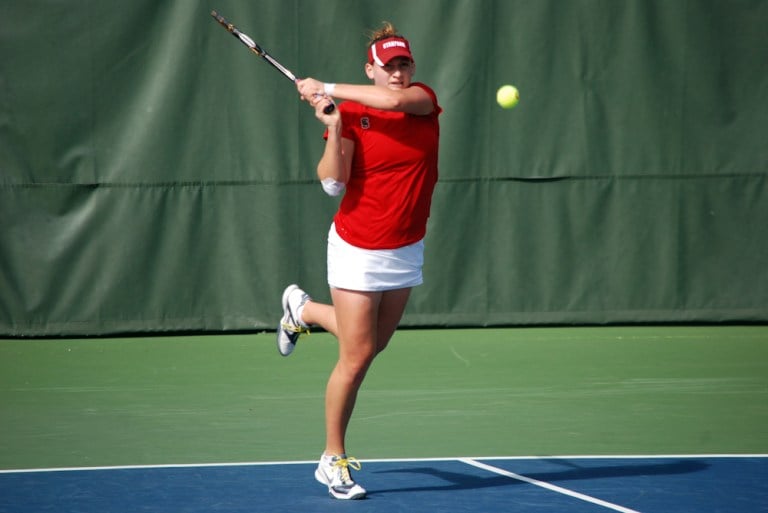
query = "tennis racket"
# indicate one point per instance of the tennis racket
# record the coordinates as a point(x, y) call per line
point(258, 50)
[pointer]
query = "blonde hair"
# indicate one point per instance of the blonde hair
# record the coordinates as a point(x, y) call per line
point(386, 30)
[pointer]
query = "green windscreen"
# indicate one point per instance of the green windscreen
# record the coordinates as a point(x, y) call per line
point(155, 175)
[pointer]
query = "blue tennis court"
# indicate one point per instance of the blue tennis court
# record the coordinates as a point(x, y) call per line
point(653, 484)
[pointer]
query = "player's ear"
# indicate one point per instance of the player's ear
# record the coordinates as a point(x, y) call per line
point(369, 70)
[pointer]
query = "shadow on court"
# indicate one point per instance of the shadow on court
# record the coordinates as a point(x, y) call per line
point(454, 481)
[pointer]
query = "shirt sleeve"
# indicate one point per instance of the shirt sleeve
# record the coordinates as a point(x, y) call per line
point(431, 94)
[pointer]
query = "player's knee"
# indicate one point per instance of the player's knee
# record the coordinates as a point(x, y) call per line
point(354, 369)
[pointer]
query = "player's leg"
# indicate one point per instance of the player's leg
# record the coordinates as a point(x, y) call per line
point(366, 322)
point(356, 320)
point(356, 314)
point(320, 314)
point(391, 308)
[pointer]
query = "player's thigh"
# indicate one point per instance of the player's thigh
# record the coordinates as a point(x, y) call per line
point(391, 310)
point(356, 322)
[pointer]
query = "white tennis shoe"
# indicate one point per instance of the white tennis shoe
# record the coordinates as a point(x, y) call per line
point(333, 471)
point(291, 326)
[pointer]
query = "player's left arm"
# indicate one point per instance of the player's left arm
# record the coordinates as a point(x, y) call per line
point(335, 164)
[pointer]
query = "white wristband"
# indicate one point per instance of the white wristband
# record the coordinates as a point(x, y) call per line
point(332, 187)
point(329, 88)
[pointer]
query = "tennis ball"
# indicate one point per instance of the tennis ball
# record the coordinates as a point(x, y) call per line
point(507, 96)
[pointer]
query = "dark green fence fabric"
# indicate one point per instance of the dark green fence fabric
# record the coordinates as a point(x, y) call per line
point(156, 176)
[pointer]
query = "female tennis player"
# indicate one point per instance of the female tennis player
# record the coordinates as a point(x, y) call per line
point(381, 152)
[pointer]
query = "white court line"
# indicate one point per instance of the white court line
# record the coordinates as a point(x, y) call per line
point(386, 460)
point(548, 486)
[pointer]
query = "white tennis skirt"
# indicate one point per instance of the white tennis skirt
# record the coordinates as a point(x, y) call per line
point(353, 268)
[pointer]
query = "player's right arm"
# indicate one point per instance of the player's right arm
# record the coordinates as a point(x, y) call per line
point(412, 99)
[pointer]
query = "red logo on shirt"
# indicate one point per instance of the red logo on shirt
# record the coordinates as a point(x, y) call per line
point(365, 123)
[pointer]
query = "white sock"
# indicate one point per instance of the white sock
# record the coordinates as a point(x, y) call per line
point(328, 458)
point(299, 316)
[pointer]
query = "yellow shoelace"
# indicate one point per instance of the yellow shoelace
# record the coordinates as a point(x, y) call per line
point(294, 328)
point(344, 464)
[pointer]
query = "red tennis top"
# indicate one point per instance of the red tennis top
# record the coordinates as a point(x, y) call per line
point(394, 171)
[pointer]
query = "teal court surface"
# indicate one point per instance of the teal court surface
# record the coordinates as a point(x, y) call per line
point(629, 419)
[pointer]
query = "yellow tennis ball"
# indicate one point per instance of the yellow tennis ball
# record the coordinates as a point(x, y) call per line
point(507, 96)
